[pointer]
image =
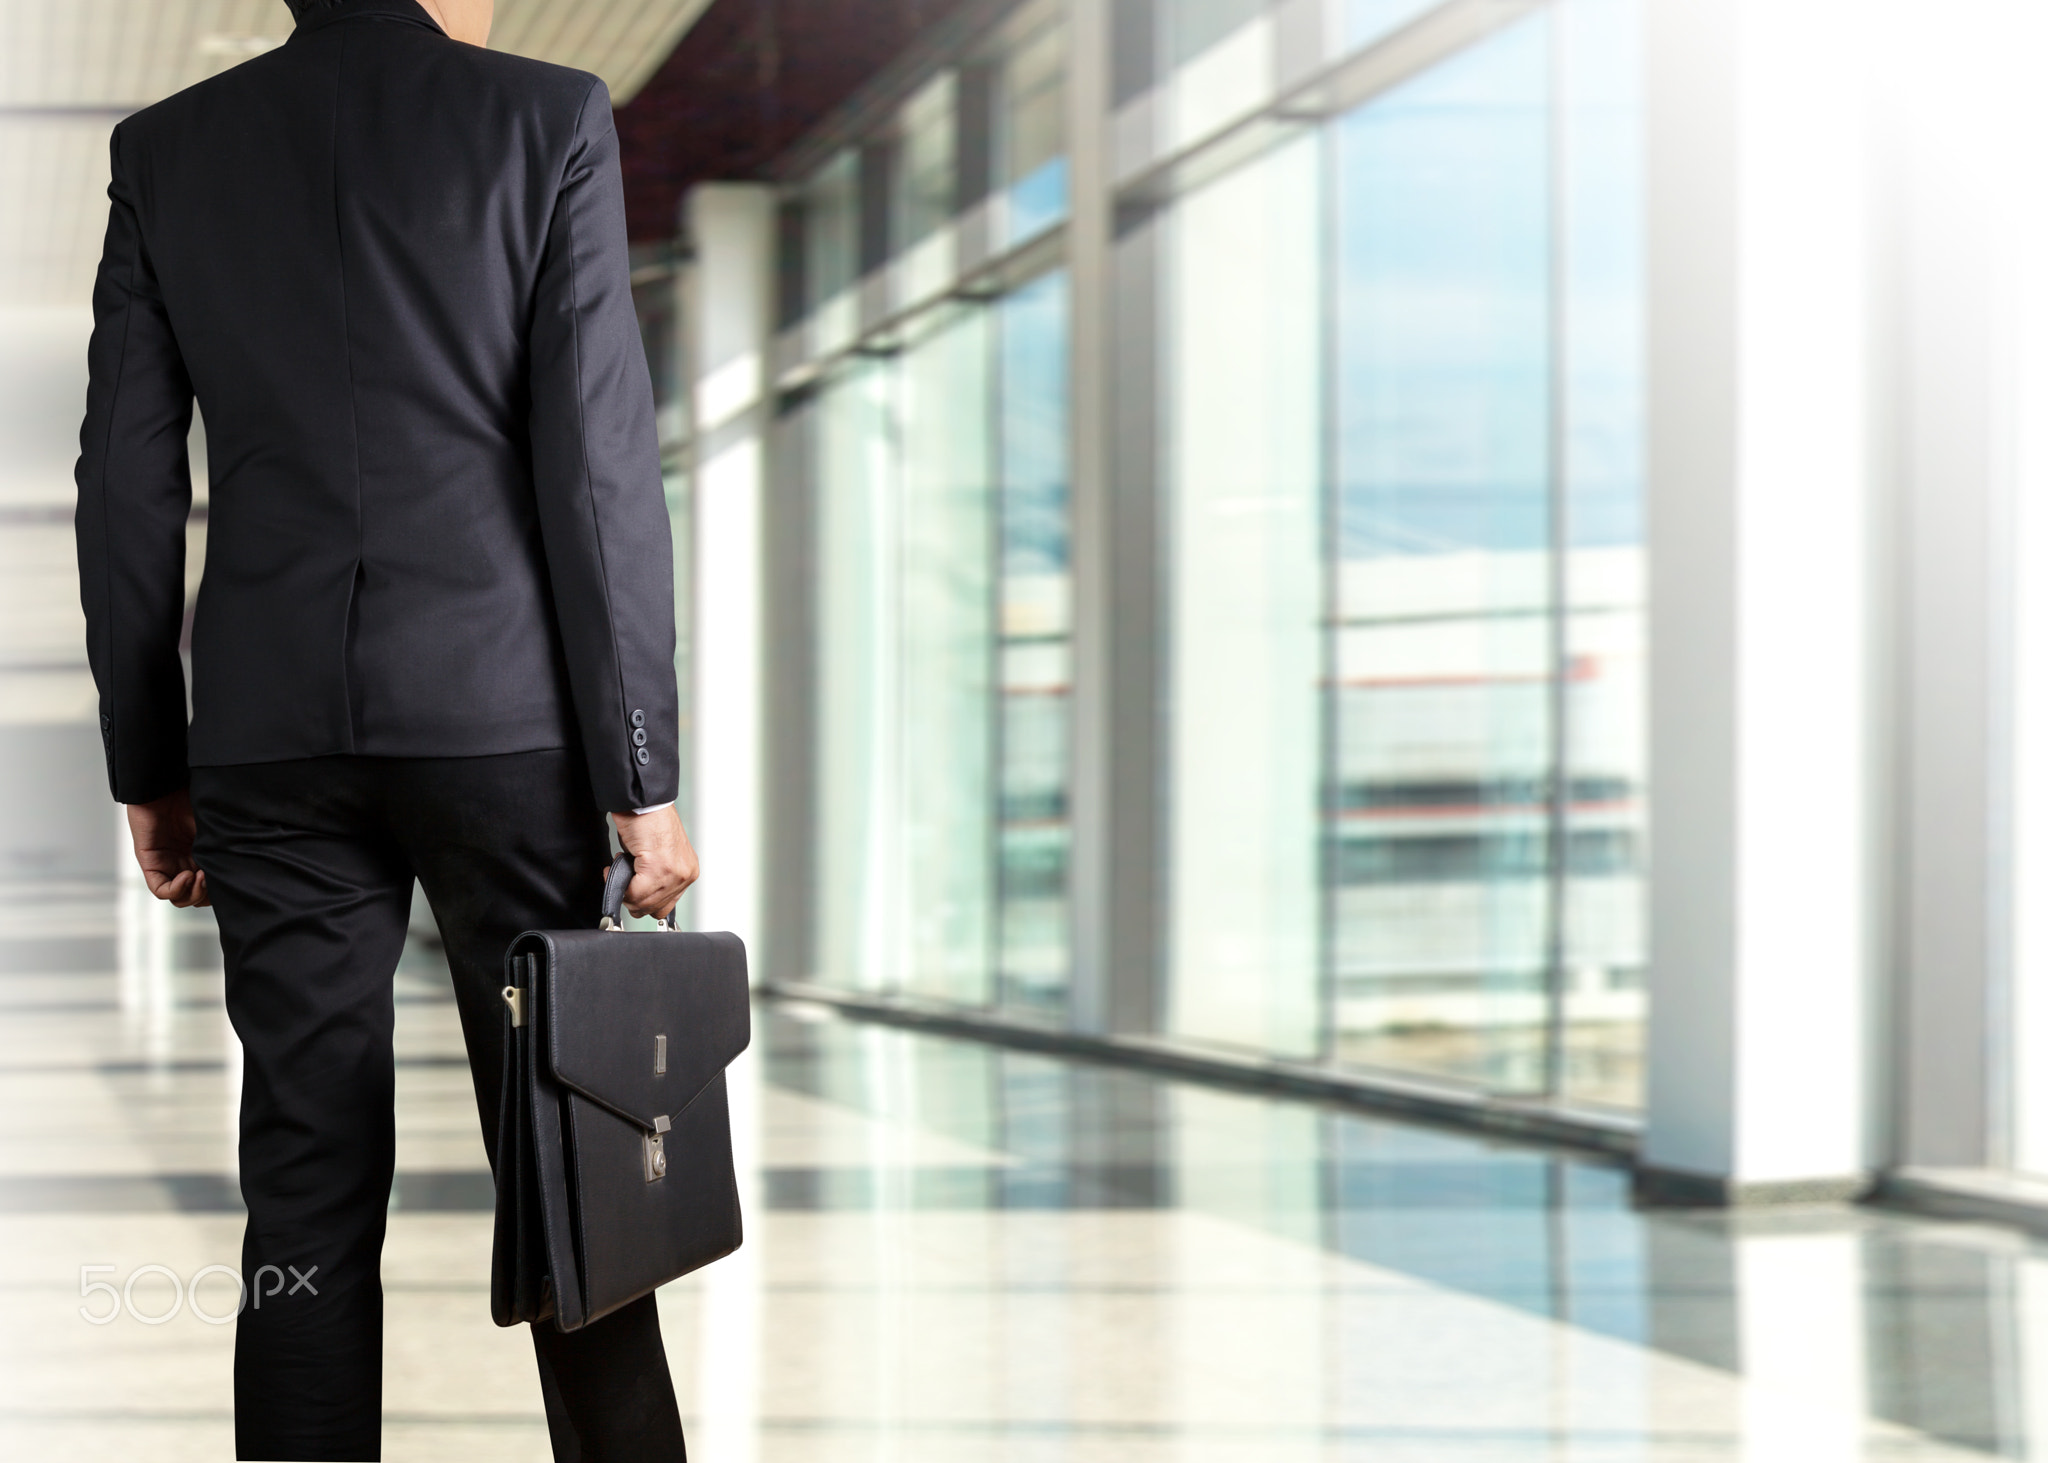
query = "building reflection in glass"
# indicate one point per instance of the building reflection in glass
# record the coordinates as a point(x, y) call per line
point(1390, 375)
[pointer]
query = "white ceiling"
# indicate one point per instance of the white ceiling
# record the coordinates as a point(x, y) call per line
point(128, 53)
point(70, 69)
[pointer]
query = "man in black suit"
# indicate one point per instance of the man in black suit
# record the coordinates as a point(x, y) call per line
point(435, 637)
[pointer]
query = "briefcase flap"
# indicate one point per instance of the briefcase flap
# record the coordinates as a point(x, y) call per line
point(641, 1023)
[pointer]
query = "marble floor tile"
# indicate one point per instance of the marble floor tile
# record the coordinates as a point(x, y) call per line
point(968, 1255)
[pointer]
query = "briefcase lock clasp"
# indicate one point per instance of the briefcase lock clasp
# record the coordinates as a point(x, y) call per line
point(664, 924)
point(653, 1156)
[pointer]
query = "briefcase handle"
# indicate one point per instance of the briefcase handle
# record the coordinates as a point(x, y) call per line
point(615, 882)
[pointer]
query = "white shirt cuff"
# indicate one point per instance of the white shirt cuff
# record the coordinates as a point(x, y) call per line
point(654, 808)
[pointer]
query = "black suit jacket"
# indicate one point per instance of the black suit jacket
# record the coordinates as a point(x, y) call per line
point(392, 268)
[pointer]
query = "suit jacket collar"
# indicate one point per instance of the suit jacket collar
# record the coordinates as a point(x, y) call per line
point(406, 10)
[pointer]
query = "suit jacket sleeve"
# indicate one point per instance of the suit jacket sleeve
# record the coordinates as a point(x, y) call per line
point(134, 495)
point(597, 479)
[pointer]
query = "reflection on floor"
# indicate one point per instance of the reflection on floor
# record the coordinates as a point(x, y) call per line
point(960, 1254)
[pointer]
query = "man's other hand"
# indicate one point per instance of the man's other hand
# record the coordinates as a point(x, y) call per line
point(664, 864)
point(163, 833)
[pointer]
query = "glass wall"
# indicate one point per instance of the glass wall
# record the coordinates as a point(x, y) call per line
point(1604, 944)
point(1390, 374)
point(831, 253)
point(1031, 124)
point(1400, 439)
point(1441, 612)
point(1035, 656)
point(935, 410)
point(859, 764)
point(906, 710)
point(927, 181)
point(1242, 447)
point(942, 629)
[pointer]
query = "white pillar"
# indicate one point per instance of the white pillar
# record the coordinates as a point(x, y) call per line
point(731, 227)
point(1954, 535)
point(2007, 128)
point(1760, 703)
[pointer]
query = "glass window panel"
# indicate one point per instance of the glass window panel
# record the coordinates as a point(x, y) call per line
point(875, 171)
point(1220, 55)
point(1134, 49)
point(859, 918)
point(906, 640)
point(948, 705)
point(1034, 437)
point(927, 184)
point(1606, 755)
point(1193, 26)
point(1034, 131)
point(1366, 21)
point(832, 249)
point(1242, 452)
point(791, 300)
point(944, 661)
point(658, 303)
point(1441, 677)
point(1036, 648)
point(926, 178)
point(1356, 416)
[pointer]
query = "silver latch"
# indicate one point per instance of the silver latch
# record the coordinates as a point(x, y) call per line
point(663, 924)
point(661, 1056)
point(653, 1156)
point(515, 1001)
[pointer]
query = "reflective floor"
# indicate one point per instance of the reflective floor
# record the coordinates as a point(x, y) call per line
point(959, 1253)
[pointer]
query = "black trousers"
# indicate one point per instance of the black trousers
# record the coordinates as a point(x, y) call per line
point(311, 865)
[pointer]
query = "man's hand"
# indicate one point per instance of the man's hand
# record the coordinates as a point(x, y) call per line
point(664, 864)
point(163, 833)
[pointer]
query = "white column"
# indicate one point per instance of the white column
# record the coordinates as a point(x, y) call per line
point(1954, 538)
point(1997, 89)
point(731, 226)
point(1759, 518)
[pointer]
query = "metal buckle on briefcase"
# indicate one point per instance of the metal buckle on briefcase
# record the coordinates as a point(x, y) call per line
point(663, 924)
point(653, 1156)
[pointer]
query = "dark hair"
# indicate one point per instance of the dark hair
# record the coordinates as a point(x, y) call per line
point(300, 9)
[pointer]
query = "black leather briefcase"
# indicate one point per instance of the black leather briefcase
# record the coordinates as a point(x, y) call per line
point(615, 1170)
